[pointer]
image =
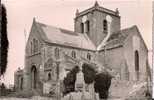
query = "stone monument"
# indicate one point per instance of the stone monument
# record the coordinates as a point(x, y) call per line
point(79, 83)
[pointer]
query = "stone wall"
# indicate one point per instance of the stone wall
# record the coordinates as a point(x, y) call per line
point(96, 32)
point(46, 51)
point(129, 55)
point(112, 59)
point(18, 80)
point(32, 59)
point(122, 59)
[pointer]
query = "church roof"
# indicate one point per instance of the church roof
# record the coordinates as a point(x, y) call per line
point(55, 35)
point(117, 39)
point(66, 37)
point(122, 34)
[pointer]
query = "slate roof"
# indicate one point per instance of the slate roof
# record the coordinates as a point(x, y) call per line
point(118, 38)
point(66, 37)
point(122, 34)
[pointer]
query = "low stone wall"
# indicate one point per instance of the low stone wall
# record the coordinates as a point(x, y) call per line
point(33, 98)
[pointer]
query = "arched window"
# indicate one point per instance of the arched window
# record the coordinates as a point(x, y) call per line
point(105, 28)
point(21, 83)
point(87, 26)
point(31, 47)
point(34, 76)
point(36, 46)
point(137, 64)
point(82, 27)
point(88, 56)
point(57, 55)
point(73, 54)
point(49, 76)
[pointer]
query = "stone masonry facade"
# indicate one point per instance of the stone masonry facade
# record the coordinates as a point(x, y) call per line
point(97, 38)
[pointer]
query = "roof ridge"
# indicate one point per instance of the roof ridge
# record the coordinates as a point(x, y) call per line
point(133, 26)
point(40, 23)
point(54, 26)
point(62, 29)
point(67, 30)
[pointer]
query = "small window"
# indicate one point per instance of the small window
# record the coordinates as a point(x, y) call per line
point(137, 64)
point(36, 46)
point(136, 61)
point(57, 55)
point(88, 56)
point(82, 27)
point(73, 54)
point(49, 76)
point(21, 83)
point(105, 28)
point(31, 47)
point(88, 26)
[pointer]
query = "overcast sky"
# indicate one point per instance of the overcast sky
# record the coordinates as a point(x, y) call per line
point(61, 13)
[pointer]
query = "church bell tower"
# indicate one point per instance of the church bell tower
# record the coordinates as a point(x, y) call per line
point(94, 23)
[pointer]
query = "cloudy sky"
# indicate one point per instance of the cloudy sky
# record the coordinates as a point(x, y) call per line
point(61, 13)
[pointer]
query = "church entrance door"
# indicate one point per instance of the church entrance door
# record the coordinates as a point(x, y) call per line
point(34, 77)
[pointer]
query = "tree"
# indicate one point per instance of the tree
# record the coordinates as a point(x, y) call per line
point(69, 80)
point(89, 73)
point(102, 84)
point(4, 41)
point(2, 89)
point(102, 81)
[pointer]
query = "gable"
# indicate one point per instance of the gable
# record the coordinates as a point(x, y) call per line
point(120, 38)
point(137, 38)
point(34, 34)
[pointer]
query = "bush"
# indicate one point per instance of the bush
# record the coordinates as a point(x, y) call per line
point(102, 84)
point(69, 80)
point(89, 73)
point(102, 80)
point(3, 90)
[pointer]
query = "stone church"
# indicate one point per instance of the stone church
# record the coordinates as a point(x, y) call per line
point(51, 52)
